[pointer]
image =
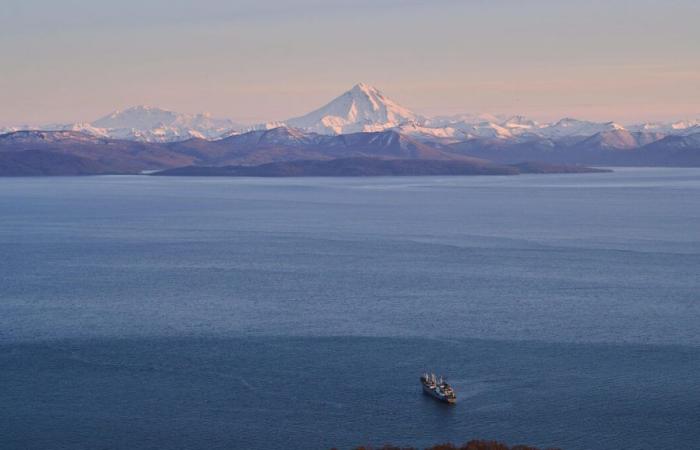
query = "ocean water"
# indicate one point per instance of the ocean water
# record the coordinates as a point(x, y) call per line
point(214, 313)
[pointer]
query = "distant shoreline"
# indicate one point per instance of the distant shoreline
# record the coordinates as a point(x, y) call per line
point(364, 167)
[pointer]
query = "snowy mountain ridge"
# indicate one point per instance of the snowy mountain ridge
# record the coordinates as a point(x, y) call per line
point(363, 108)
point(147, 124)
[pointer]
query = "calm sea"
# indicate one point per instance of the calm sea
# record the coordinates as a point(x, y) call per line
point(212, 313)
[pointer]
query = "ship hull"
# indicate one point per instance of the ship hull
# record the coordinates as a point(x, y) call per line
point(441, 398)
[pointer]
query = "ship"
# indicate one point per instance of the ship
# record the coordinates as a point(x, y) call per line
point(438, 388)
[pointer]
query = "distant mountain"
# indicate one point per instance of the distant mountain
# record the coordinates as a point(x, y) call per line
point(573, 127)
point(671, 143)
point(389, 143)
point(441, 121)
point(113, 155)
point(30, 138)
point(363, 122)
point(145, 117)
point(611, 148)
point(515, 128)
point(619, 139)
point(614, 148)
point(422, 132)
point(286, 144)
point(363, 166)
point(679, 128)
point(520, 123)
point(365, 108)
point(42, 163)
point(12, 129)
point(467, 126)
point(484, 130)
point(673, 151)
point(252, 148)
point(145, 123)
point(362, 108)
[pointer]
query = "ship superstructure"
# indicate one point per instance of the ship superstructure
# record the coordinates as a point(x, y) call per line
point(438, 388)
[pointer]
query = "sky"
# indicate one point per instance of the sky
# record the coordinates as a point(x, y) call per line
point(254, 60)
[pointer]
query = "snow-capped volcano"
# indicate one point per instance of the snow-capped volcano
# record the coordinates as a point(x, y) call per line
point(362, 108)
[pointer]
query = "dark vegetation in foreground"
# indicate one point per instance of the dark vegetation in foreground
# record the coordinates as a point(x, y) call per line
point(471, 445)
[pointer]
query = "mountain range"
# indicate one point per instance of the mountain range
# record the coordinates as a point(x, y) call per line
point(361, 123)
point(363, 108)
point(146, 124)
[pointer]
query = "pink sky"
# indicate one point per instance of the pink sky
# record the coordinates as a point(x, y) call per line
point(617, 60)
